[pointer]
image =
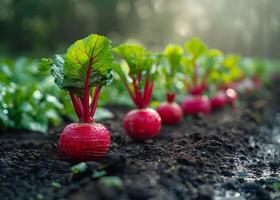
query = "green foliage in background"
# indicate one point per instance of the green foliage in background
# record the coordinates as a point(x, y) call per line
point(28, 100)
point(171, 66)
point(138, 62)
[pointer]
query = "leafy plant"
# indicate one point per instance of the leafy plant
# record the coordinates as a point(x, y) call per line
point(25, 94)
point(82, 71)
point(169, 111)
point(86, 64)
point(137, 72)
point(172, 66)
point(192, 68)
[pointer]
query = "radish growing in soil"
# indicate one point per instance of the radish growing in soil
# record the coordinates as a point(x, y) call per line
point(226, 79)
point(138, 73)
point(82, 71)
point(219, 100)
point(169, 111)
point(254, 72)
point(198, 66)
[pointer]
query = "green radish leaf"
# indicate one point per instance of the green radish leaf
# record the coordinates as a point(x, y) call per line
point(142, 70)
point(138, 60)
point(187, 64)
point(195, 47)
point(93, 53)
point(173, 55)
point(118, 69)
point(135, 55)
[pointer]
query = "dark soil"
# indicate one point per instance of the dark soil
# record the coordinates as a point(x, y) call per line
point(232, 154)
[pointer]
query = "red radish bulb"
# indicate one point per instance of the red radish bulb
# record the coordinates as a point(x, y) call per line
point(142, 124)
point(84, 141)
point(232, 96)
point(194, 105)
point(219, 100)
point(170, 112)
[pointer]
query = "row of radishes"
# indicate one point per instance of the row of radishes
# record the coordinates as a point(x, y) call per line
point(88, 65)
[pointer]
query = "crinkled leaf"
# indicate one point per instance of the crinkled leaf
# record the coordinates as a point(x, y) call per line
point(93, 53)
point(135, 55)
point(138, 59)
point(118, 69)
point(55, 67)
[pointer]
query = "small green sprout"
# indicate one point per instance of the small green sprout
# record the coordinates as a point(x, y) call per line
point(56, 184)
point(111, 182)
point(98, 174)
point(39, 196)
point(81, 167)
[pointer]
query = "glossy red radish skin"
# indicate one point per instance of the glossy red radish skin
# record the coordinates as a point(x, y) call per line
point(195, 105)
point(170, 113)
point(84, 141)
point(142, 124)
point(219, 100)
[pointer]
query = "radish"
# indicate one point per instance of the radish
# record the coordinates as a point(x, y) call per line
point(84, 141)
point(169, 111)
point(198, 90)
point(196, 104)
point(198, 66)
point(141, 123)
point(82, 71)
point(254, 71)
point(219, 100)
point(232, 96)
